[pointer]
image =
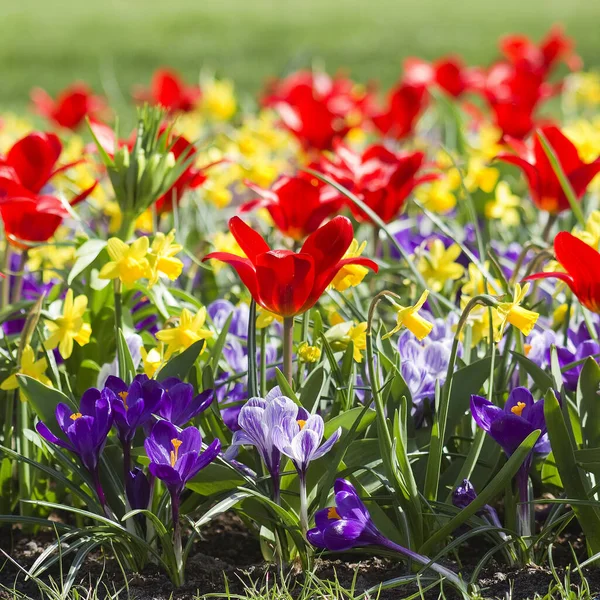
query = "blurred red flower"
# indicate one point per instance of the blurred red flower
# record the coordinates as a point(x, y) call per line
point(168, 90)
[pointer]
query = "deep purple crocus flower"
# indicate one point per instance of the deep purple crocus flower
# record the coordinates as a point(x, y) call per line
point(230, 398)
point(137, 488)
point(179, 405)
point(86, 430)
point(464, 494)
point(348, 525)
point(176, 456)
point(133, 404)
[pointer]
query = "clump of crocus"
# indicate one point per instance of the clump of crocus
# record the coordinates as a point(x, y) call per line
point(509, 426)
point(179, 405)
point(175, 458)
point(348, 525)
point(86, 430)
point(465, 493)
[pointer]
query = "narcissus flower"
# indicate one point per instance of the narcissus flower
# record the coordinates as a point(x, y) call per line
point(544, 185)
point(341, 334)
point(70, 326)
point(409, 317)
point(350, 275)
point(439, 265)
point(161, 257)
point(169, 91)
point(151, 360)
point(296, 205)
point(218, 100)
point(129, 263)
point(71, 107)
point(288, 283)
point(189, 330)
point(582, 266)
point(177, 456)
point(29, 366)
point(504, 207)
point(308, 353)
point(513, 313)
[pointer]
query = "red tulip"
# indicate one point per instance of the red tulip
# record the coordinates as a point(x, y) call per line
point(406, 102)
point(316, 108)
point(288, 283)
point(296, 205)
point(449, 73)
point(582, 265)
point(169, 91)
point(544, 185)
point(380, 178)
point(71, 106)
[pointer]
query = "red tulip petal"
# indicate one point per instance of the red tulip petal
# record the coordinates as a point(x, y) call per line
point(285, 280)
point(563, 148)
point(528, 169)
point(243, 267)
point(581, 261)
point(328, 244)
point(582, 177)
point(250, 241)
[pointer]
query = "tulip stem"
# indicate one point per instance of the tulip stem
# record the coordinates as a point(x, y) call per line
point(288, 347)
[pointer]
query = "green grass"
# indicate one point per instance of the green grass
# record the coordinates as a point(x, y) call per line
point(115, 43)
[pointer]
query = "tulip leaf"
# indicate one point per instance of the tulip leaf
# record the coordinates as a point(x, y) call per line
point(496, 487)
point(575, 483)
point(180, 365)
point(347, 419)
point(87, 253)
point(588, 401)
point(43, 400)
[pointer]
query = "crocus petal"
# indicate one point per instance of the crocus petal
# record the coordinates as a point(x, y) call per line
point(484, 412)
point(518, 395)
point(343, 534)
point(326, 447)
point(43, 430)
point(509, 431)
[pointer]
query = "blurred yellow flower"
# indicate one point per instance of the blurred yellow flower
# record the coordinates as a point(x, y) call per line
point(308, 353)
point(559, 314)
point(513, 313)
point(475, 284)
point(70, 326)
point(350, 275)
point(341, 334)
point(437, 196)
point(151, 361)
point(218, 99)
point(50, 259)
point(224, 242)
point(409, 317)
point(591, 233)
point(161, 257)
point(29, 366)
point(264, 318)
point(479, 321)
point(189, 330)
point(129, 263)
point(504, 206)
point(480, 176)
point(439, 264)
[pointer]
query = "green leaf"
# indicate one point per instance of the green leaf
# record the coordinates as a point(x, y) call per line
point(43, 400)
point(180, 365)
point(252, 363)
point(347, 419)
point(539, 376)
point(312, 388)
point(575, 484)
point(588, 402)
point(86, 255)
point(493, 489)
point(286, 388)
point(215, 479)
point(127, 369)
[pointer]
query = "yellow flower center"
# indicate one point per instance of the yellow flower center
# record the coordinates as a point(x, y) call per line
point(518, 409)
point(332, 514)
point(123, 396)
point(76, 416)
point(527, 348)
point(301, 423)
point(175, 453)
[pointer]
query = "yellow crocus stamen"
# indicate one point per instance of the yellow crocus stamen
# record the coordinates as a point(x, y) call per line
point(76, 416)
point(518, 409)
point(301, 423)
point(332, 514)
point(123, 396)
point(175, 453)
point(527, 348)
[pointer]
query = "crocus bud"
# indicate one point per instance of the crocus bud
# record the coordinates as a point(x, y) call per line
point(464, 494)
point(137, 488)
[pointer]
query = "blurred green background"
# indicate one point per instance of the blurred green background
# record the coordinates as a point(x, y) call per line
point(113, 44)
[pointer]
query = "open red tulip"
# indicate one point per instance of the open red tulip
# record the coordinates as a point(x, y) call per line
point(582, 265)
point(544, 185)
point(290, 283)
point(169, 91)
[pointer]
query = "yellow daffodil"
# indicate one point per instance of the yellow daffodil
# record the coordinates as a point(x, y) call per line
point(439, 265)
point(70, 326)
point(129, 263)
point(489, 136)
point(437, 196)
point(341, 334)
point(559, 314)
point(479, 321)
point(409, 317)
point(308, 353)
point(504, 206)
point(224, 242)
point(50, 259)
point(162, 257)
point(476, 282)
point(591, 233)
point(151, 361)
point(350, 275)
point(189, 330)
point(480, 176)
point(264, 318)
point(513, 313)
point(218, 100)
point(12, 128)
point(29, 366)
point(582, 90)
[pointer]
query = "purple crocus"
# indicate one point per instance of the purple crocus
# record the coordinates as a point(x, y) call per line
point(137, 488)
point(348, 525)
point(86, 430)
point(465, 493)
point(258, 420)
point(509, 426)
point(179, 405)
point(219, 312)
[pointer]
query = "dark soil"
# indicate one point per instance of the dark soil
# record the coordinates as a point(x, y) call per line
point(228, 552)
